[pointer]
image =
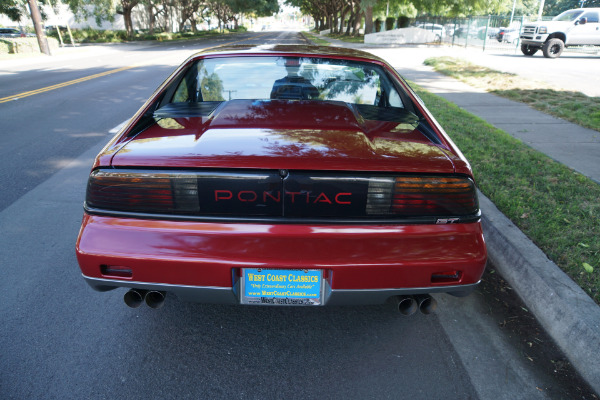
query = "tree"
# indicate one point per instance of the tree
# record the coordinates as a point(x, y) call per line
point(126, 9)
point(12, 9)
point(557, 6)
point(151, 13)
point(105, 10)
point(256, 8)
point(187, 10)
point(221, 10)
point(211, 86)
point(367, 7)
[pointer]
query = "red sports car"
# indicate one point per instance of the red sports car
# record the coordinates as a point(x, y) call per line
point(283, 175)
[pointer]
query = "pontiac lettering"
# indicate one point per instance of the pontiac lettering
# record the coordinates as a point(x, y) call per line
point(250, 196)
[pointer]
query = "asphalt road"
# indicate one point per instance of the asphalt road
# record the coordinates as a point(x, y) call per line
point(61, 340)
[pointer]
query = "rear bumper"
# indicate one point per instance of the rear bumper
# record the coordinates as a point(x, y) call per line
point(201, 261)
point(228, 295)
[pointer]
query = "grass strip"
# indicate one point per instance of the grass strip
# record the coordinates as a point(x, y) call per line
point(88, 35)
point(347, 38)
point(316, 39)
point(571, 106)
point(556, 207)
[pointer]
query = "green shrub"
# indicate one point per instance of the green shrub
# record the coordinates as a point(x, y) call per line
point(403, 21)
point(5, 47)
point(389, 23)
point(378, 24)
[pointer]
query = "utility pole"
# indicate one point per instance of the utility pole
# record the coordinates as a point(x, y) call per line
point(541, 10)
point(512, 14)
point(39, 30)
point(66, 20)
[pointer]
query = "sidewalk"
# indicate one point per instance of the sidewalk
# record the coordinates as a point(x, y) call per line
point(565, 142)
point(565, 311)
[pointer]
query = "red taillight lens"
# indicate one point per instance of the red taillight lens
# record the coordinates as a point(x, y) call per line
point(434, 196)
point(217, 193)
point(422, 196)
point(143, 192)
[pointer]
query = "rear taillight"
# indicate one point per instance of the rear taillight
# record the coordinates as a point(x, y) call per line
point(422, 196)
point(143, 191)
point(444, 199)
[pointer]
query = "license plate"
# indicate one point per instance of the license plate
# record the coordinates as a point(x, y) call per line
point(282, 287)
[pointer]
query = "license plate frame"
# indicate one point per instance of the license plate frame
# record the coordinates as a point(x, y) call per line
point(282, 287)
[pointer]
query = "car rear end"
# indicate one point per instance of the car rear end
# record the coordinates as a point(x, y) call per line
point(279, 201)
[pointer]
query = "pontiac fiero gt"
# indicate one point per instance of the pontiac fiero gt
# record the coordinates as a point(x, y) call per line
point(282, 175)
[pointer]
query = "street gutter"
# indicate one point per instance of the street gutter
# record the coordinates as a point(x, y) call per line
point(565, 311)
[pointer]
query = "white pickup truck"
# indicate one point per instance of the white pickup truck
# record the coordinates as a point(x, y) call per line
point(579, 27)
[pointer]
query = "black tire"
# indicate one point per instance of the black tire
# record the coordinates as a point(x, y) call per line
point(527, 50)
point(553, 48)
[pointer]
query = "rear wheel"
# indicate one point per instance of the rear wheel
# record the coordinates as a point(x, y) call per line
point(528, 50)
point(553, 48)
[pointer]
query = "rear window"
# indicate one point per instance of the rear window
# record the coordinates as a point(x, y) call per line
point(287, 78)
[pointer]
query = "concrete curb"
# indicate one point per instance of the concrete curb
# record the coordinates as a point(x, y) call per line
point(565, 311)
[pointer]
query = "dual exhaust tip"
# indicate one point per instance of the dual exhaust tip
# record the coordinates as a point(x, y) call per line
point(153, 298)
point(408, 305)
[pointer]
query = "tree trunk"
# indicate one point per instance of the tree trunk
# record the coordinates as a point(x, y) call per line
point(151, 17)
point(128, 21)
point(166, 18)
point(342, 17)
point(39, 30)
point(369, 20)
point(357, 21)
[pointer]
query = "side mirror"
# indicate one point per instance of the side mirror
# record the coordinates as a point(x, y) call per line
point(582, 21)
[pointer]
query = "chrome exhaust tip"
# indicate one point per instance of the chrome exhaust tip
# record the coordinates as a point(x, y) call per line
point(155, 299)
point(134, 297)
point(427, 304)
point(406, 305)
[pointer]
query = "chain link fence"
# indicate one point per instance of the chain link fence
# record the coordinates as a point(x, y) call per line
point(492, 33)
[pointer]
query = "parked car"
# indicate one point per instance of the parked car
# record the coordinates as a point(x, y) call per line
point(507, 35)
point(578, 27)
point(464, 31)
point(450, 29)
point(11, 33)
point(283, 175)
point(439, 30)
point(491, 32)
